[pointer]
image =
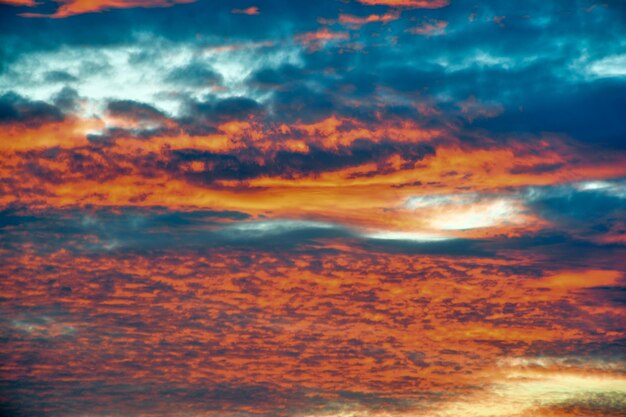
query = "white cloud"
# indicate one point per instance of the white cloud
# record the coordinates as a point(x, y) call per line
point(130, 73)
point(273, 227)
point(610, 67)
point(523, 390)
point(479, 215)
point(465, 211)
point(43, 327)
point(412, 236)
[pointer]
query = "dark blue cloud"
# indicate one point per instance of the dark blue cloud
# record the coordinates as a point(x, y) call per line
point(214, 111)
point(592, 113)
point(281, 77)
point(288, 164)
point(194, 74)
point(134, 110)
point(17, 109)
point(579, 205)
point(60, 77)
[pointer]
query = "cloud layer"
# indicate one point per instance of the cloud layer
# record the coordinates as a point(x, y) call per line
point(334, 208)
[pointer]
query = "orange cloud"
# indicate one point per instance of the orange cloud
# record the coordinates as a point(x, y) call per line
point(74, 7)
point(369, 195)
point(359, 321)
point(29, 3)
point(414, 4)
point(571, 280)
point(314, 41)
point(433, 28)
point(358, 21)
point(252, 10)
point(472, 109)
point(69, 133)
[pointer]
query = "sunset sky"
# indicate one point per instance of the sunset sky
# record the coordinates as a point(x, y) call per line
point(324, 208)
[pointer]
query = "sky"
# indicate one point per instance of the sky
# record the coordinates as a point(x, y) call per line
point(331, 208)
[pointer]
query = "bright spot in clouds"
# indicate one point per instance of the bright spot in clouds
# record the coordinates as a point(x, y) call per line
point(612, 66)
point(475, 216)
point(465, 211)
point(409, 236)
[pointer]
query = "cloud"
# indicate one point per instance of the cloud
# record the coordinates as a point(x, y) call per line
point(417, 4)
point(74, 7)
point(574, 117)
point(251, 11)
point(287, 163)
point(611, 66)
point(276, 78)
point(468, 211)
point(195, 74)
point(471, 109)
point(307, 298)
point(407, 236)
point(134, 110)
point(317, 40)
point(260, 211)
point(43, 327)
point(166, 77)
point(17, 109)
point(141, 229)
point(478, 216)
point(432, 28)
point(523, 389)
point(29, 3)
point(355, 22)
point(567, 280)
point(596, 209)
point(60, 77)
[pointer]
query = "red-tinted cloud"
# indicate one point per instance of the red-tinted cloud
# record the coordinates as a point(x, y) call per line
point(252, 10)
point(29, 3)
point(358, 21)
point(315, 215)
point(314, 41)
point(413, 4)
point(251, 331)
point(432, 28)
point(74, 7)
